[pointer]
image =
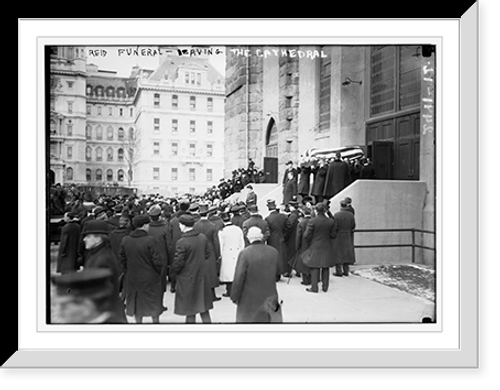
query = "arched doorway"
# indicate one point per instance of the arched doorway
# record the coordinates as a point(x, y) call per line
point(271, 158)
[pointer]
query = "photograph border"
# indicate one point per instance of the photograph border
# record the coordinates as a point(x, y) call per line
point(176, 356)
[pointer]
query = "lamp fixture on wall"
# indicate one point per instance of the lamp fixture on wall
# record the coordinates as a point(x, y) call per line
point(348, 81)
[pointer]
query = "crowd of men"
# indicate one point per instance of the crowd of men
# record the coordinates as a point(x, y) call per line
point(139, 248)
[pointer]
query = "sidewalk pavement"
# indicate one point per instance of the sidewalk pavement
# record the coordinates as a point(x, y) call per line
point(351, 299)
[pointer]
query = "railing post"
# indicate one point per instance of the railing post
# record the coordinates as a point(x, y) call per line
point(413, 245)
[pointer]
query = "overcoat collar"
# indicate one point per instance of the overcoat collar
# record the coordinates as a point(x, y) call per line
point(191, 233)
point(138, 233)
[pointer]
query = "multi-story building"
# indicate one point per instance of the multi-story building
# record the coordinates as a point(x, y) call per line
point(160, 131)
point(180, 124)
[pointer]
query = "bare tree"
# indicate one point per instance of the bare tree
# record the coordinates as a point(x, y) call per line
point(131, 146)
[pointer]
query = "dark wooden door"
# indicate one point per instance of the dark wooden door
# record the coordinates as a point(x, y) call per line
point(271, 169)
point(383, 159)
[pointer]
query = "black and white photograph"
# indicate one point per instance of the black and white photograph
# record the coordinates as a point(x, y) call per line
point(261, 197)
point(241, 184)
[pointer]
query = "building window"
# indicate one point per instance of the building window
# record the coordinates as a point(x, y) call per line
point(192, 78)
point(121, 134)
point(382, 78)
point(120, 111)
point(88, 132)
point(109, 175)
point(70, 84)
point(53, 129)
point(156, 100)
point(121, 175)
point(110, 111)
point(70, 129)
point(192, 103)
point(110, 92)
point(186, 78)
point(99, 91)
point(70, 152)
point(70, 107)
point(98, 175)
point(156, 148)
point(69, 173)
point(89, 110)
point(192, 149)
point(88, 153)
point(210, 127)
point(131, 112)
point(175, 191)
point(175, 101)
point(98, 132)
point(156, 125)
point(192, 174)
point(175, 148)
point(131, 134)
point(121, 92)
point(210, 104)
point(120, 154)
point(156, 173)
point(198, 78)
point(98, 154)
point(192, 127)
point(174, 174)
point(110, 154)
point(99, 110)
point(324, 93)
point(192, 190)
point(210, 150)
point(88, 175)
point(89, 90)
point(209, 174)
point(175, 126)
point(109, 131)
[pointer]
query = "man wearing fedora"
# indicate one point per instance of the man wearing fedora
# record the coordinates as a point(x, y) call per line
point(208, 229)
point(142, 267)
point(343, 245)
point(67, 258)
point(193, 292)
point(276, 222)
point(289, 236)
point(95, 236)
point(160, 229)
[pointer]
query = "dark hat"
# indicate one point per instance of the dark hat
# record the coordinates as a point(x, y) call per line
point(348, 200)
point(141, 220)
point(306, 199)
point(225, 216)
point(98, 210)
point(187, 220)
point(118, 208)
point(252, 208)
point(154, 211)
point(271, 204)
point(95, 226)
point(92, 283)
point(293, 203)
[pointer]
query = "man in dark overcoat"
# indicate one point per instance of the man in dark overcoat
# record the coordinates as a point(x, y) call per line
point(290, 189)
point(208, 229)
point(69, 244)
point(301, 245)
point(319, 177)
point(337, 177)
point(343, 245)
point(100, 256)
point(289, 236)
point(255, 220)
point(303, 186)
point(161, 230)
point(254, 279)
point(319, 234)
point(142, 266)
point(193, 293)
point(276, 222)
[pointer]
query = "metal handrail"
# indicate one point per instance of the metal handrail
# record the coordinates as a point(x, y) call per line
point(413, 245)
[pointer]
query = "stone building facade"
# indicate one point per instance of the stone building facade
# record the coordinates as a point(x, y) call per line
point(158, 130)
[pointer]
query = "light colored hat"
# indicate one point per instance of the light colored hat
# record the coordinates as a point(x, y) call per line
point(254, 234)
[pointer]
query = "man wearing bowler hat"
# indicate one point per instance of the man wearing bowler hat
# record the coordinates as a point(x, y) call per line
point(276, 222)
point(255, 220)
point(193, 293)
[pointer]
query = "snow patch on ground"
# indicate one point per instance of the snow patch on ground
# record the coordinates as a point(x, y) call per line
point(411, 278)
